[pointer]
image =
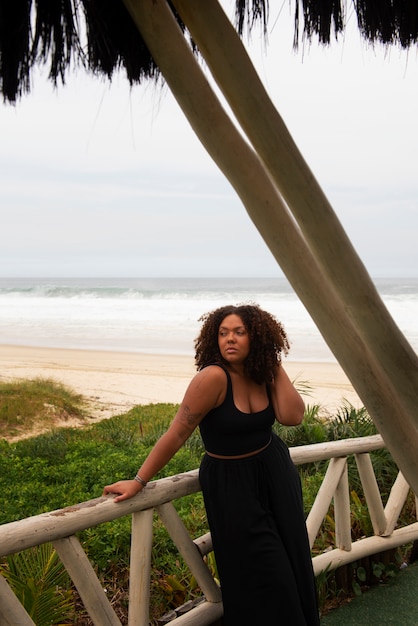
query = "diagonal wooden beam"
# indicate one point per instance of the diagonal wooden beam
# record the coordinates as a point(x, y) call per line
point(84, 578)
point(11, 611)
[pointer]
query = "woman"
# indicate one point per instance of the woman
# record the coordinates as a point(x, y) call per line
point(250, 486)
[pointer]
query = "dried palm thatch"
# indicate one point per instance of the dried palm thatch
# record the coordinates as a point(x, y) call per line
point(389, 22)
point(101, 36)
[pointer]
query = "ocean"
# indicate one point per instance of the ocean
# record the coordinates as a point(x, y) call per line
point(161, 315)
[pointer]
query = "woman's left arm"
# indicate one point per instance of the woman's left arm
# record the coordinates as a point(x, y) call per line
point(287, 402)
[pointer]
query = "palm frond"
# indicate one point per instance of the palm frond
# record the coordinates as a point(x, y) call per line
point(41, 583)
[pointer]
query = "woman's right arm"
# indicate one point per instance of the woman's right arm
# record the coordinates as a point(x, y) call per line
point(205, 391)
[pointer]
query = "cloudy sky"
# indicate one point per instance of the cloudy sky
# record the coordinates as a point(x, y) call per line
point(102, 180)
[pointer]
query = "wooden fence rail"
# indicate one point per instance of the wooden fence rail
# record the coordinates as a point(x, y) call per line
point(60, 527)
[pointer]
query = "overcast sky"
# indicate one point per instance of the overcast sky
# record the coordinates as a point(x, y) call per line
point(100, 180)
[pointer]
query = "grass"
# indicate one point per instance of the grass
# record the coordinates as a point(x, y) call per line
point(36, 404)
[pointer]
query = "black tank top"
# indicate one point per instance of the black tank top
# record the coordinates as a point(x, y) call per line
point(228, 431)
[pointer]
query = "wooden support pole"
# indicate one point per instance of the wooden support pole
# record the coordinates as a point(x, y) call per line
point(205, 614)
point(12, 612)
point(371, 493)
point(365, 547)
point(84, 577)
point(324, 496)
point(329, 449)
point(189, 551)
point(396, 500)
point(140, 568)
point(204, 544)
point(342, 513)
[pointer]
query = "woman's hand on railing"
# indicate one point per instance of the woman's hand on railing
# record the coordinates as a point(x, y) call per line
point(124, 489)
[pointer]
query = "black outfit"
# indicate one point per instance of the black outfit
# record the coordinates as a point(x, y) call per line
point(255, 514)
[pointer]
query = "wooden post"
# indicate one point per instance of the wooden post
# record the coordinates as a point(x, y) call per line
point(140, 568)
point(12, 612)
point(324, 496)
point(189, 551)
point(84, 577)
point(364, 547)
point(396, 500)
point(342, 513)
point(371, 493)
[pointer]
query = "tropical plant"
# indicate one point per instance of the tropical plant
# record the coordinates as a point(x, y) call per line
point(41, 583)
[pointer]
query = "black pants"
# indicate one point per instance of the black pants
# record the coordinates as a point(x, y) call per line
point(255, 514)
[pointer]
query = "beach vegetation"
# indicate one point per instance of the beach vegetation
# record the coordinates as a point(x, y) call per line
point(65, 466)
point(41, 583)
point(36, 405)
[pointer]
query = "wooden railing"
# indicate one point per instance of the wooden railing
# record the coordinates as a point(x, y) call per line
point(60, 527)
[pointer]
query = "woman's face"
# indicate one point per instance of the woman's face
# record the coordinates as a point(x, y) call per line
point(233, 340)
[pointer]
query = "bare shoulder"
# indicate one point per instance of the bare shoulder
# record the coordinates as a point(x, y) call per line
point(207, 389)
point(210, 375)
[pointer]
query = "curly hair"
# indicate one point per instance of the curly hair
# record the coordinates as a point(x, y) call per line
point(268, 340)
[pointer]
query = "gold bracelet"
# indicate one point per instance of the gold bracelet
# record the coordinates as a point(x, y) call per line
point(140, 480)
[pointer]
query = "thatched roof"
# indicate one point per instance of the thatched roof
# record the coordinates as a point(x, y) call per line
point(100, 35)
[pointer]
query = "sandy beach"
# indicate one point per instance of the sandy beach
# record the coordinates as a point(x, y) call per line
point(114, 382)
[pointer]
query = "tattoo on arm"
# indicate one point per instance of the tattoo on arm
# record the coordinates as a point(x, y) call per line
point(189, 418)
